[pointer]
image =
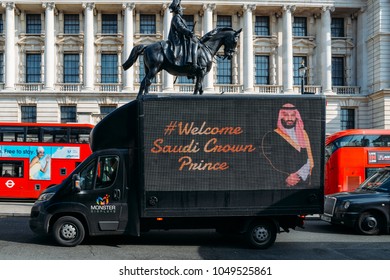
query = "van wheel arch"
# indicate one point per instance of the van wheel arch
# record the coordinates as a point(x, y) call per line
point(69, 224)
point(78, 216)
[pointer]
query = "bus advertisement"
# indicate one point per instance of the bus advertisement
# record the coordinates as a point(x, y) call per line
point(34, 156)
point(353, 155)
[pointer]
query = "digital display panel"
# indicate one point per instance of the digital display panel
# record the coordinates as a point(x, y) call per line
point(227, 143)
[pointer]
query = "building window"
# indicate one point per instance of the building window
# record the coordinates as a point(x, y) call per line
point(338, 71)
point(33, 68)
point(109, 69)
point(68, 114)
point(1, 68)
point(262, 70)
point(184, 80)
point(224, 71)
point(142, 70)
point(189, 21)
point(1, 24)
point(300, 26)
point(71, 68)
point(337, 27)
point(297, 61)
point(224, 21)
point(262, 26)
point(106, 109)
point(29, 113)
point(148, 24)
point(347, 118)
point(109, 24)
point(33, 24)
point(71, 24)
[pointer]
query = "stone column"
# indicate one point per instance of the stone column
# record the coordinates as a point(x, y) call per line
point(361, 54)
point(272, 67)
point(208, 84)
point(9, 59)
point(326, 57)
point(248, 48)
point(128, 75)
point(167, 78)
point(49, 53)
point(288, 72)
point(89, 50)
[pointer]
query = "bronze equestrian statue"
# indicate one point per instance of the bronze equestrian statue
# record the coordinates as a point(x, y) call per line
point(183, 54)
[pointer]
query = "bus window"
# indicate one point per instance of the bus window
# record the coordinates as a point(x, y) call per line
point(11, 169)
point(32, 134)
point(381, 141)
point(55, 134)
point(48, 134)
point(12, 134)
point(79, 135)
point(372, 171)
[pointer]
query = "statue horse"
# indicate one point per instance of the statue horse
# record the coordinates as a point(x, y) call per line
point(157, 58)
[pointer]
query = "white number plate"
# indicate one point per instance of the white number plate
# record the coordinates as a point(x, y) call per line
point(326, 218)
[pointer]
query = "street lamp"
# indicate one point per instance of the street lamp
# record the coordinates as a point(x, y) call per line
point(302, 73)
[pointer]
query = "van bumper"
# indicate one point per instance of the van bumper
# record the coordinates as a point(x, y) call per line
point(39, 219)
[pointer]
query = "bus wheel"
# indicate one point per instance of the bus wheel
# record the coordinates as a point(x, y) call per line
point(261, 234)
point(68, 231)
point(368, 223)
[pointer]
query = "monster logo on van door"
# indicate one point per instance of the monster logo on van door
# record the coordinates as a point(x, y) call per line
point(103, 205)
point(103, 200)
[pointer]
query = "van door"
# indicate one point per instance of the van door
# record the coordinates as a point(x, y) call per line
point(103, 194)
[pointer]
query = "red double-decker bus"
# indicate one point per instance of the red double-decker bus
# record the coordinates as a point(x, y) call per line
point(34, 156)
point(353, 155)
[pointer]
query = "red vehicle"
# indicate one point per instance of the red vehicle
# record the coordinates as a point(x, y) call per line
point(353, 155)
point(34, 156)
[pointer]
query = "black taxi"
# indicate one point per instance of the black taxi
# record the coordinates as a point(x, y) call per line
point(366, 209)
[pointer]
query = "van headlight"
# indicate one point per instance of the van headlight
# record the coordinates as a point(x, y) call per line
point(346, 205)
point(45, 196)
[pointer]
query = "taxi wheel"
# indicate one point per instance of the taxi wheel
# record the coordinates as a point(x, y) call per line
point(369, 224)
point(68, 231)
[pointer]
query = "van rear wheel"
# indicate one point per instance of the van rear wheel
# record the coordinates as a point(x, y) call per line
point(261, 234)
point(68, 231)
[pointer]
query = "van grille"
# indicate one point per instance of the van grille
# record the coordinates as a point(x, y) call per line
point(329, 205)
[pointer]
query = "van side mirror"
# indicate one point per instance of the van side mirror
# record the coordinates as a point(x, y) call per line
point(76, 182)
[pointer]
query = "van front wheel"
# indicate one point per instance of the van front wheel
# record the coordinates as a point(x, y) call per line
point(68, 231)
point(261, 234)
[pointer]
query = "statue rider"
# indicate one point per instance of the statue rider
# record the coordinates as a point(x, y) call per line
point(184, 42)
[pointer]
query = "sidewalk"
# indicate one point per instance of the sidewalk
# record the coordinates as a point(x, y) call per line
point(21, 209)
